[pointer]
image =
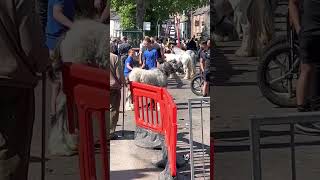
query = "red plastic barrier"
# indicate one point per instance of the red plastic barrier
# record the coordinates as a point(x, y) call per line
point(89, 100)
point(211, 158)
point(155, 110)
point(74, 74)
point(88, 88)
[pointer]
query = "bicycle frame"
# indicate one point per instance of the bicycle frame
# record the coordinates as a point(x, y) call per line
point(292, 63)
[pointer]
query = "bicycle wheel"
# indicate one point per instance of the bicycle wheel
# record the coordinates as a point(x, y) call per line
point(274, 75)
point(197, 84)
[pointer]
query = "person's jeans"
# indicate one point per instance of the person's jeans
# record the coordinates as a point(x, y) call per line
point(16, 126)
point(115, 98)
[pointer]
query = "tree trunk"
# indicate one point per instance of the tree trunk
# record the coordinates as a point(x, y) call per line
point(140, 12)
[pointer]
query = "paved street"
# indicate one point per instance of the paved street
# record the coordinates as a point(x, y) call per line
point(127, 160)
point(141, 166)
point(236, 96)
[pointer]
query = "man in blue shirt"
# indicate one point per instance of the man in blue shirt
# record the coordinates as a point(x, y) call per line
point(129, 63)
point(150, 55)
point(60, 16)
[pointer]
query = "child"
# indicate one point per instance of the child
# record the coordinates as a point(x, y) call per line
point(129, 64)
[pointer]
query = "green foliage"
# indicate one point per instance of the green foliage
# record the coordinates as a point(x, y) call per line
point(156, 10)
point(127, 13)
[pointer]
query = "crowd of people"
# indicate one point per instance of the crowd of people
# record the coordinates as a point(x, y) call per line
point(150, 55)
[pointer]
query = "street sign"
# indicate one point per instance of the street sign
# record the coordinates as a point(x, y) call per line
point(147, 26)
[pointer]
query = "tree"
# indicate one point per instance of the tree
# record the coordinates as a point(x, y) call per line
point(157, 10)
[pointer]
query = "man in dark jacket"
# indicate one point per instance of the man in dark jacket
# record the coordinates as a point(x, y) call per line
point(192, 45)
point(124, 49)
point(23, 55)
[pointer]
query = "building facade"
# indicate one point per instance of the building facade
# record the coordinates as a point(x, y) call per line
point(200, 22)
point(115, 28)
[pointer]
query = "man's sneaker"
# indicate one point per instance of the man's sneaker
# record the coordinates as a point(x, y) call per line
point(113, 136)
point(206, 101)
point(307, 127)
point(304, 108)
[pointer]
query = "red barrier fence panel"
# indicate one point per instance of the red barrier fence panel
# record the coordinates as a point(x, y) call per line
point(88, 88)
point(90, 100)
point(171, 129)
point(147, 101)
point(155, 110)
point(74, 74)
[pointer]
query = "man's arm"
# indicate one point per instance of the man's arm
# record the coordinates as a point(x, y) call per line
point(60, 17)
point(294, 15)
point(119, 69)
point(143, 61)
point(128, 66)
point(202, 64)
point(31, 36)
point(140, 58)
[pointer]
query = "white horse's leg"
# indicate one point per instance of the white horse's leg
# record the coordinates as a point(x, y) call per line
point(187, 68)
point(129, 104)
point(178, 80)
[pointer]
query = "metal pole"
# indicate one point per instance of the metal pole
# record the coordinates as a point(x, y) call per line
point(191, 140)
point(293, 158)
point(255, 150)
point(43, 131)
point(201, 116)
point(123, 99)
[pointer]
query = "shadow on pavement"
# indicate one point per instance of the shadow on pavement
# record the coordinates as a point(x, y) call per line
point(243, 135)
point(127, 135)
point(224, 70)
point(240, 84)
point(34, 159)
point(198, 163)
point(132, 174)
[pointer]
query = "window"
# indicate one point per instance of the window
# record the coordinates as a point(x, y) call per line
point(196, 23)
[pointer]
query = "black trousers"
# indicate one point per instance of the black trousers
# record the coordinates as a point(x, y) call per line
point(16, 125)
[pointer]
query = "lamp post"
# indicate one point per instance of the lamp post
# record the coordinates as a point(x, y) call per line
point(178, 29)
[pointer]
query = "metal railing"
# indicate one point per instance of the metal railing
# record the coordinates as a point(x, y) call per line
point(202, 99)
point(279, 119)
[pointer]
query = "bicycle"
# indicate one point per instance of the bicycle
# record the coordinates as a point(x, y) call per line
point(283, 52)
point(197, 83)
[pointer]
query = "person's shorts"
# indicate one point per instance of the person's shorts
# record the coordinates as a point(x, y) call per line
point(309, 48)
point(51, 43)
point(206, 75)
